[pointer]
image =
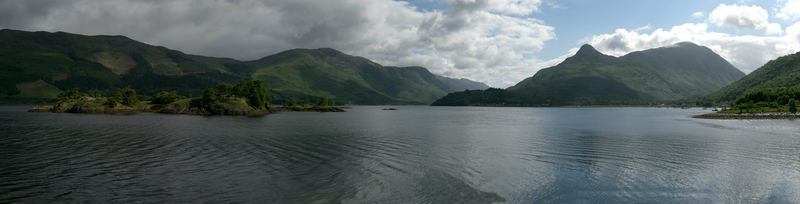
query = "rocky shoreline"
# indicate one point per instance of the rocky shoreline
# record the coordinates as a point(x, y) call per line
point(746, 116)
point(217, 110)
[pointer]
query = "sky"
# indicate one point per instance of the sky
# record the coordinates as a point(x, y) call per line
point(498, 42)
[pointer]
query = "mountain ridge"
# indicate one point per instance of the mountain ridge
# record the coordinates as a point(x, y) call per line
point(677, 72)
point(783, 71)
point(63, 60)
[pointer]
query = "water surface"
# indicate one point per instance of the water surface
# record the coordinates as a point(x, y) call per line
point(416, 154)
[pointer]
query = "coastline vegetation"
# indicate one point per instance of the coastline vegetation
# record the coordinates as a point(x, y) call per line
point(766, 100)
point(245, 98)
point(764, 103)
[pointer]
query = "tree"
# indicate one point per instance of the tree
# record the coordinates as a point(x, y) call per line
point(210, 97)
point(129, 96)
point(96, 93)
point(225, 89)
point(111, 102)
point(783, 99)
point(255, 92)
point(792, 106)
point(238, 90)
point(124, 96)
point(322, 101)
point(291, 103)
point(69, 95)
point(166, 97)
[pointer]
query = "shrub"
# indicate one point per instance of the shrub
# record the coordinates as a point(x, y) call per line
point(166, 97)
point(69, 95)
point(255, 92)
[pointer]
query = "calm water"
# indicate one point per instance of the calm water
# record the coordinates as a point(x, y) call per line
point(411, 155)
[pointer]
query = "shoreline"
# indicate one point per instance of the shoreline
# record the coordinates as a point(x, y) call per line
point(182, 110)
point(749, 116)
point(589, 106)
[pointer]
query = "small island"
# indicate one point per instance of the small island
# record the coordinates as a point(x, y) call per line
point(765, 103)
point(245, 98)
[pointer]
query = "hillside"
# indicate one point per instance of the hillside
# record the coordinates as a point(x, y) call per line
point(681, 71)
point(40, 64)
point(461, 84)
point(35, 66)
point(300, 73)
point(781, 72)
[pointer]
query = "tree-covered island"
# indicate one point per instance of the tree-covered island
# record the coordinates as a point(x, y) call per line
point(245, 98)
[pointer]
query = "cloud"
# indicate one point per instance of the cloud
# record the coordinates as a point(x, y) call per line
point(790, 10)
point(515, 7)
point(743, 17)
point(643, 28)
point(552, 4)
point(489, 41)
point(698, 14)
point(746, 52)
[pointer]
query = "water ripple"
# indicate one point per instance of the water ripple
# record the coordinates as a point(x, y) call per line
point(412, 155)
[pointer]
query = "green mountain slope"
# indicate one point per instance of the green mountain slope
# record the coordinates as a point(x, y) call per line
point(461, 84)
point(62, 60)
point(681, 71)
point(37, 65)
point(300, 73)
point(781, 72)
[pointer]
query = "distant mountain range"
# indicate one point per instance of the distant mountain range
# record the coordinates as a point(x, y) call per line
point(678, 72)
point(349, 79)
point(781, 72)
point(35, 66)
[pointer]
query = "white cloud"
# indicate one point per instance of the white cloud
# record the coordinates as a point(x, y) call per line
point(516, 7)
point(743, 17)
point(789, 10)
point(508, 7)
point(746, 52)
point(643, 28)
point(488, 41)
point(698, 14)
point(552, 4)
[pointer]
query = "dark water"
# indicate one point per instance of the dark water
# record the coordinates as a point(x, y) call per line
point(411, 155)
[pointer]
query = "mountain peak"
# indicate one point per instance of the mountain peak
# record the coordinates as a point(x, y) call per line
point(317, 52)
point(587, 52)
point(686, 44)
point(328, 50)
point(586, 48)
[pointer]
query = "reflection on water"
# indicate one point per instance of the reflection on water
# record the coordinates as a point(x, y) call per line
point(440, 187)
point(416, 154)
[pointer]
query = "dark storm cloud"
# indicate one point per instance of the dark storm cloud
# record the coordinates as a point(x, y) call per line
point(20, 13)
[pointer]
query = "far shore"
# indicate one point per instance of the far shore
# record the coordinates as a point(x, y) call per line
point(186, 111)
point(590, 106)
point(749, 116)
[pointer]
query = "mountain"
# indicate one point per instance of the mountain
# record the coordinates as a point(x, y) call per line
point(35, 66)
point(299, 73)
point(781, 72)
point(461, 84)
point(677, 72)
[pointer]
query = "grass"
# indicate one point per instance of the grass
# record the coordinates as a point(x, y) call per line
point(37, 89)
point(234, 103)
